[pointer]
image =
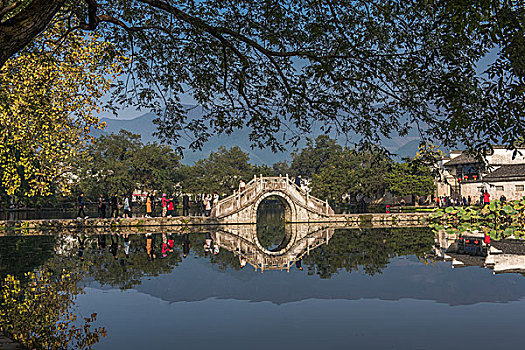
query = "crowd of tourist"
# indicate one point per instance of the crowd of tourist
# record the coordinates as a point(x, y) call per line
point(151, 205)
point(195, 205)
point(447, 201)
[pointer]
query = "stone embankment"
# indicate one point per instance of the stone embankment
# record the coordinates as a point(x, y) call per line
point(156, 224)
point(380, 220)
point(138, 225)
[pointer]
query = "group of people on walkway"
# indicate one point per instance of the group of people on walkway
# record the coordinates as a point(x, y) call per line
point(115, 203)
point(201, 205)
point(121, 206)
point(484, 199)
point(447, 201)
point(102, 204)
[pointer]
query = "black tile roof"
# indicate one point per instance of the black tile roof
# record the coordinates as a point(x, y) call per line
point(463, 158)
point(507, 172)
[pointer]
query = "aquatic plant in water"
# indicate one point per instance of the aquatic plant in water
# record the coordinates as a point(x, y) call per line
point(497, 219)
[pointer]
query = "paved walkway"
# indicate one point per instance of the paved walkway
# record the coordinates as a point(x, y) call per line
point(349, 220)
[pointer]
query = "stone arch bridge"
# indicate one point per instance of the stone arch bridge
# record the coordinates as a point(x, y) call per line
point(300, 206)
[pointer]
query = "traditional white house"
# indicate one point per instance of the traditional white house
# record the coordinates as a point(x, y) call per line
point(501, 173)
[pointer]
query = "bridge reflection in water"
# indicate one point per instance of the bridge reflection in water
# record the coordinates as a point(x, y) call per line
point(243, 241)
point(271, 244)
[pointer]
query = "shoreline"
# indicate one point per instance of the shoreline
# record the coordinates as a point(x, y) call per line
point(346, 220)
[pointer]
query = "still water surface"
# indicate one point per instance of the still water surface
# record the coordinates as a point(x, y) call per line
point(361, 289)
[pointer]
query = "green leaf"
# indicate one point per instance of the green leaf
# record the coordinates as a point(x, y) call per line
point(437, 214)
point(509, 210)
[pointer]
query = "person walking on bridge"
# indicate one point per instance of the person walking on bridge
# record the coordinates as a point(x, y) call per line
point(242, 185)
point(298, 181)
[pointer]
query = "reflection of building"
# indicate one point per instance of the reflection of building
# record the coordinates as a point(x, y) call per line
point(465, 175)
point(66, 245)
point(504, 256)
point(243, 242)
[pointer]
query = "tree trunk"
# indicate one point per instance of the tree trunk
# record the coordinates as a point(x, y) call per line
point(21, 29)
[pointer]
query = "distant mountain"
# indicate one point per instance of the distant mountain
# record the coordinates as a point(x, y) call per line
point(143, 125)
point(407, 278)
point(408, 150)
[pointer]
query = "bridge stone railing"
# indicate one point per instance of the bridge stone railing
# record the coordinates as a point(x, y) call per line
point(261, 185)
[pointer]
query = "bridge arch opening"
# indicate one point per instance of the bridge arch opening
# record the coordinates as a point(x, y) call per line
point(273, 207)
point(272, 232)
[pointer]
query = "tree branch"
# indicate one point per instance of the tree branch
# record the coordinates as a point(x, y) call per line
point(6, 9)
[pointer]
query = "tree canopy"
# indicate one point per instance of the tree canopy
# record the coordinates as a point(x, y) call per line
point(48, 103)
point(122, 163)
point(453, 69)
point(314, 156)
point(356, 175)
point(347, 173)
point(410, 179)
point(221, 172)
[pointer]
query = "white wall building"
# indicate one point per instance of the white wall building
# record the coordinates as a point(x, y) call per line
point(499, 173)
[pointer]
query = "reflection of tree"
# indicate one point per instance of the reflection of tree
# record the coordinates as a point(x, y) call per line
point(270, 223)
point(37, 305)
point(126, 272)
point(224, 260)
point(370, 248)
point(19, 255)
point(39, 313)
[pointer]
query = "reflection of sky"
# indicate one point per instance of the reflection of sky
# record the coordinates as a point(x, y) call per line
point(138, 321)
point(408, 306)
point(196, 279)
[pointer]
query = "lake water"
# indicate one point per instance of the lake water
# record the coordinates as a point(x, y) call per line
point(332, 288)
